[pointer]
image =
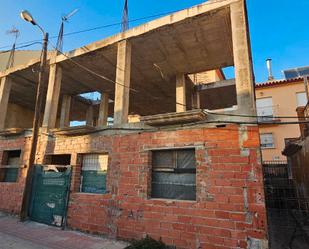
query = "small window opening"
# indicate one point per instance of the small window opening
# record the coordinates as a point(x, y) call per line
point(57, 163)
point(214, 84)
point(10, 165)
point(93, 175)
point(174, 174)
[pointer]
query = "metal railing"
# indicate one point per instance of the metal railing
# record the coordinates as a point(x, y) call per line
point(267, 113)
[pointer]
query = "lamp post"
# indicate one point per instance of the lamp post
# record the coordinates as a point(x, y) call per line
point(25, 15)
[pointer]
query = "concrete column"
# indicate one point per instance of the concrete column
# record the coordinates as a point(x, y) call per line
point(5, 89)
point(103, 112)
point(196, 103)
point(65, 111)
point(180, 93)
point(89, 116)
point(242, 59)
point(123, 75)
point(52, 98)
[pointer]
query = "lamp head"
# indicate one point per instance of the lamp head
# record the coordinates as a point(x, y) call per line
point(27, 17)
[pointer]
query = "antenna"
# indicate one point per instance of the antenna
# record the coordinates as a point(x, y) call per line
point(64, 18)
point(125, 17)
point(15, 32)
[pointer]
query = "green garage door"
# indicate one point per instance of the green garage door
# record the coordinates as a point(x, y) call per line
point(50, 195)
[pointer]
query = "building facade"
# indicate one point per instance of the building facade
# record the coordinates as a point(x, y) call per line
point(279, 99)
point(180, 174)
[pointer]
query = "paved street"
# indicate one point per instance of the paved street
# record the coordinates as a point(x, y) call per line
point(31, 235)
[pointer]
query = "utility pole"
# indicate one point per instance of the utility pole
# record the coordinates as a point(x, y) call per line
point(36, 120)
point(125, 17)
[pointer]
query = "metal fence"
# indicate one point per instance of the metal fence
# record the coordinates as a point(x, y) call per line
point(288, 217)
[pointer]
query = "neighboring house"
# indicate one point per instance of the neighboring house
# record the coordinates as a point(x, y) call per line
point(278, 98)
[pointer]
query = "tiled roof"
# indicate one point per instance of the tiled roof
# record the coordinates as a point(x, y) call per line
point(278, 82)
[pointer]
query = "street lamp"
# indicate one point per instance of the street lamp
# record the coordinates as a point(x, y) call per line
point(25, 15)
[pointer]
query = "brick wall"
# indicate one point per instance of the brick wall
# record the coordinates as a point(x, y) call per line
point(11, 193)
point(229, 211)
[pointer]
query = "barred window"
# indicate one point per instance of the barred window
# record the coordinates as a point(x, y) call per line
point(93, 175)
point(174, 174)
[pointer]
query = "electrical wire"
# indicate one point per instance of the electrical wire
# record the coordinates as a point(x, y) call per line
point(154, 97)
point(134, 90)
point(246, 122)
point(91, 71)
point(114, 24)
point(28, 45)
point(250, 116)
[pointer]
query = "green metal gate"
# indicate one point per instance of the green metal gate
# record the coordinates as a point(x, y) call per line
point(50, 193)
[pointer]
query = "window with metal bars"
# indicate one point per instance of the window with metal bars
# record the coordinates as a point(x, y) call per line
point(93, 175)
point(174, 174)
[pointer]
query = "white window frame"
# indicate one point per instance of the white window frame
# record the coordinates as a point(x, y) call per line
point(265, 112)
point(273, 142)
point(299, 100)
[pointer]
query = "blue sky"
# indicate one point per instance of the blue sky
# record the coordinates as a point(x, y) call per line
point(278, 27)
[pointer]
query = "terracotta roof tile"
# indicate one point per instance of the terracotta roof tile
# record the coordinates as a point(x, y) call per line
point(278, 82)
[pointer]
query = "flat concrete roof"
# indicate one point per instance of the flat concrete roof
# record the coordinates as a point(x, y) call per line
point(190, 41)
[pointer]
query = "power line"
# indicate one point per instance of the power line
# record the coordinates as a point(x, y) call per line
point(250, 116)
point(28, 45)
point(95, 28)
point(113, 24)
point(91, 71)
point(246, 122)
point(212, 113)
point(154, 97)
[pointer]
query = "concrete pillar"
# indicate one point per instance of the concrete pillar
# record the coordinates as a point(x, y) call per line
point(52, 98)
point(5, 89)
point(242, 59)
point(123, 75)
point(89, 116)
point(196, 102)
point(180, 93)
point(65, 111)
point(103, 111)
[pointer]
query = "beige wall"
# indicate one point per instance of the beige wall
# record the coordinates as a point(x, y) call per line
point(285, 104)
point(206, 77)
point(18, 117)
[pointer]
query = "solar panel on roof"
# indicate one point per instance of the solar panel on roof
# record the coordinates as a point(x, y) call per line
point(296, 72)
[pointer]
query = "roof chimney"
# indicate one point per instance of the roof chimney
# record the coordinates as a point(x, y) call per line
point(269, 68)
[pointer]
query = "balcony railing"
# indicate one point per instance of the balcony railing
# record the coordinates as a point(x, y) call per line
point(267, 113)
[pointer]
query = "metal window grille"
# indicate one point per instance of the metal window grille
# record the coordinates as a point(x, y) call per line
point(174, 174)
point(94, 170)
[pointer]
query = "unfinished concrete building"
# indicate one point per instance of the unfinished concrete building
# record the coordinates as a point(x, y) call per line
point(147, 159)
